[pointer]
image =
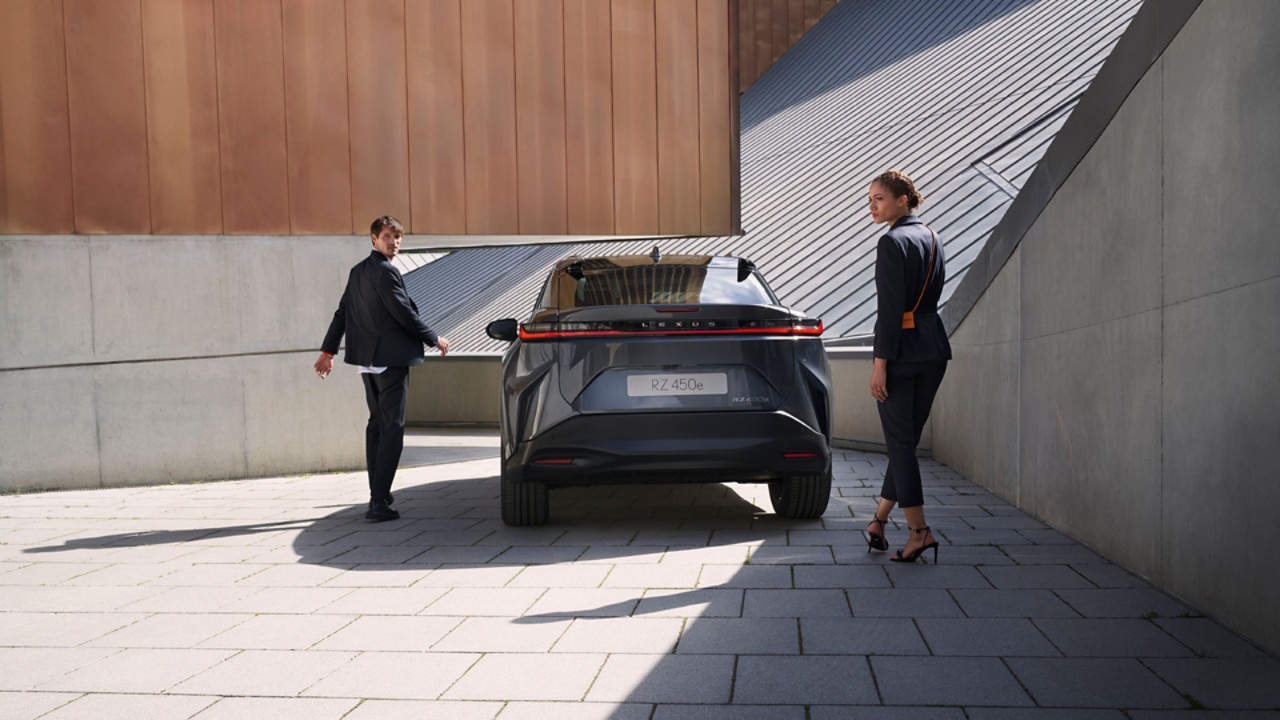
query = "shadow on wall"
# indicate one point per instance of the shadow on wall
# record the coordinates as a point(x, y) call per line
point(842, 34)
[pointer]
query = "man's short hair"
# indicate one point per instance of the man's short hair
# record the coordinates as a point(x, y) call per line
point(384, 222)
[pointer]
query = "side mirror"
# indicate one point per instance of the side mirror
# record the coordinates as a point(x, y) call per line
point(505, 330)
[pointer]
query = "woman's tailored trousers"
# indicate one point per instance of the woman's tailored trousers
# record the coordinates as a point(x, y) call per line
point(912, 387)
point(387, 394)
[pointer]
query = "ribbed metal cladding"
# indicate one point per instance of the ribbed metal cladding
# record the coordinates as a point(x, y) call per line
point(964, 97)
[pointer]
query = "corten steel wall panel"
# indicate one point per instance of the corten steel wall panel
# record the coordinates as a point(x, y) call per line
point(315, 84)
point(746, 43)
point(812, 13)
point(376, 81)
point(717, 98)
point(251, 115)
point(182, 116)
point(489, 101)
point(35, 142)
point(768, 28)
point(795, 21)
point(540, 116)
point(437, 163)
point(763, 37)
point(679, 183)
point(107, 101)
point(589, 116)
point(635, 117)
point(779, 37)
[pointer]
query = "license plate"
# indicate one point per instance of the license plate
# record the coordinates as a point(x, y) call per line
point(677, 384)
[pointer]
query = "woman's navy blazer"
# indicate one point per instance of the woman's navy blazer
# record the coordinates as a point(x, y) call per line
point(902, 261)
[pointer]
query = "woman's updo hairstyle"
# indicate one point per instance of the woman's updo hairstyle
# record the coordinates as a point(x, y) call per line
point(899, 184)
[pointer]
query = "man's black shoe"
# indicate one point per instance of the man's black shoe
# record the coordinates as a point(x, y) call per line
point(391, 499)
point(379, 511)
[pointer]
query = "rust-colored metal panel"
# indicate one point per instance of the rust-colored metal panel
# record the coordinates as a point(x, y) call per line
point(437, 165)
point(251, 114)
point(489, 101)
point(315, 84)
point(764, 37)
point(676, 50)
point(795, 21)
point(812, 13)
point(635, 117)
point(107, 103)
point(717, 97)
point(589, 116)
point(746, 44)
point(182, 117)
point(377, 82)
point(827, 5)
point(779, 40)
point(35, 141)
point(540, 116)
point(735, 135)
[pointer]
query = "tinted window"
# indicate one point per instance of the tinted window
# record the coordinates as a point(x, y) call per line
point(663, 285)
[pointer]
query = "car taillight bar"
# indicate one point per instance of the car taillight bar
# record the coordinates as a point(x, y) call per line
point(534, 332)
point(799, 455)
point(554, 461)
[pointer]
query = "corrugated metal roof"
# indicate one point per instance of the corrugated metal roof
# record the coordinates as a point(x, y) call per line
point(965, 97)
point(408, 261)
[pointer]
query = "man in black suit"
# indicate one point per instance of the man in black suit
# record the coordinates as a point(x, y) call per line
point(385, 336)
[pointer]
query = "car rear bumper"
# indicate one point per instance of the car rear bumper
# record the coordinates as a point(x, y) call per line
point(671, 447)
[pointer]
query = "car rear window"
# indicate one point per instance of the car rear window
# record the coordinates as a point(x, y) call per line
point(651, 284)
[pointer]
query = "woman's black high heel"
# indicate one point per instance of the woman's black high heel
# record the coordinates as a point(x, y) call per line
point(915, 554)
point(875, 541)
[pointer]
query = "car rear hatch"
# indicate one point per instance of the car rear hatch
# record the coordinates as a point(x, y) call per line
point(675, 358)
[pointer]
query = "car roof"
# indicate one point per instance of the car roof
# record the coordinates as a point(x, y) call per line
point(605, 262)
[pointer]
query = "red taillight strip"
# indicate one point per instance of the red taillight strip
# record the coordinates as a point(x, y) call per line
point(558, 334)
point(799, 455)
point(554, 461)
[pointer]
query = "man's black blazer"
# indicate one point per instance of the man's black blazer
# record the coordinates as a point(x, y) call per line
point(902, 260)
point(379, 318)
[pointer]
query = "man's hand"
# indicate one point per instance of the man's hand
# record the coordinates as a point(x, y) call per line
point(880, 380)
point(324, 365)
point(442, 344)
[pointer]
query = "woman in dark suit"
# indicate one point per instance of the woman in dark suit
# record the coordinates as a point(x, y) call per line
point(911, 354)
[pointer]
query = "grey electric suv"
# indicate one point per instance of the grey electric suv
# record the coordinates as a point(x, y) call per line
point(653, 368)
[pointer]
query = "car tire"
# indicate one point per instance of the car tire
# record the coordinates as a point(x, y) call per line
point(524, 503)
point(803, 497)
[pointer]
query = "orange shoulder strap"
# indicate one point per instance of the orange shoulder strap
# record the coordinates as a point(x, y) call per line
point(933, 252)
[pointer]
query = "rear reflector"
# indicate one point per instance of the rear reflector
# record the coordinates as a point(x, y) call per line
point(799, 455)
point(533, 332)
point(554, 461)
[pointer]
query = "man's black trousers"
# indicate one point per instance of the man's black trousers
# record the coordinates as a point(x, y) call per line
point(387, 394)
point(912, 387)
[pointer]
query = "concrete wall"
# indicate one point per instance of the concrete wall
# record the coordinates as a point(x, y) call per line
point(130, 360)
point(464, 389)
point(856, 421)
point(1116, 379)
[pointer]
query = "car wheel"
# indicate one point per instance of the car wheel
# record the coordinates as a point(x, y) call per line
point(805, 496)
point(523, 503)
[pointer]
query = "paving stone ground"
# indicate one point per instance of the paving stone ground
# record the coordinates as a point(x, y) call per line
point(273, 598)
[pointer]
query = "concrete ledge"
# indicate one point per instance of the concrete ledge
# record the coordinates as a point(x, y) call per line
point(175, 421)
point(107, 299)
